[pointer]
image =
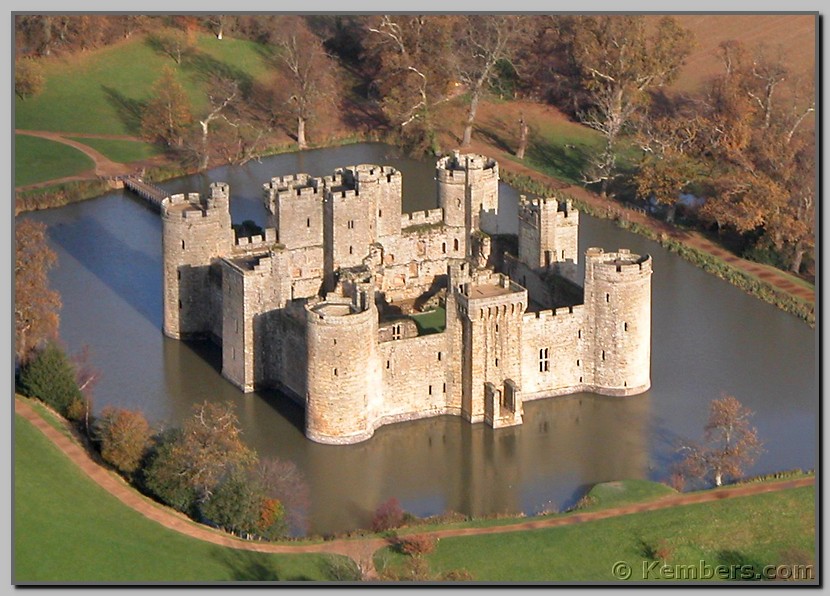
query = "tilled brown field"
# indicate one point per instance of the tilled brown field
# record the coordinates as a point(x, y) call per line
point(794, 35)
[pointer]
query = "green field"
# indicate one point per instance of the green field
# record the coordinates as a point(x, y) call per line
point(121, 151)
point(103, 91)
point(38, 160)
point(766, 529)
point(68, 529)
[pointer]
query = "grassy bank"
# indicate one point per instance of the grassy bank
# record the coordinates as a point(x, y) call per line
point(38, 160)
point(68, 529)
point(753, 531)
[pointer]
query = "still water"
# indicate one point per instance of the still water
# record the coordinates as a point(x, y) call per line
point(709, 338)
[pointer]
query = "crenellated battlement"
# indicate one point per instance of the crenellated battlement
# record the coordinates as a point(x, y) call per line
point(421, 218)
point(577, 310)
point(268, 238)
point(618, 265)
point(456, 168)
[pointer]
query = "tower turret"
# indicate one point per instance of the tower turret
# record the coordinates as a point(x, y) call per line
point(195, 230)
point(468, 191)
point(342, 369)
point(618, 305)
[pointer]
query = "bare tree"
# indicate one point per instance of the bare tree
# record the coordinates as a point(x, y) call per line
point(410, 57)
point(619, 60)
point(222, 92)
point(307, 82)
point(482, 42)
point(730, 445)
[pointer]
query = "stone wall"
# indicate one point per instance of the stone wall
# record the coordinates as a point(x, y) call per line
point(552, 352)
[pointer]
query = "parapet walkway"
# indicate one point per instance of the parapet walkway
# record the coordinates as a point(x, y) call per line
point(361, 550)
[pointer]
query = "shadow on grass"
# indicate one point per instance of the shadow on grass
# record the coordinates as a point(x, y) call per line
point(255, 567)
point(209, 69)
point(740, 567)
point(128, 109)
point(566, 162)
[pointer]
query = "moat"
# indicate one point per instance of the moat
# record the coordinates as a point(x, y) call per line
point(707, 338)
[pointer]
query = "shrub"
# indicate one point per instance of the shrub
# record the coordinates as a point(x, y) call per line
point(416, 545)
point(388, 516)
point(125, 438)
point(51, 379)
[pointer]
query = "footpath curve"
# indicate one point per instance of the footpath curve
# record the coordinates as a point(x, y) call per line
point(360, 550)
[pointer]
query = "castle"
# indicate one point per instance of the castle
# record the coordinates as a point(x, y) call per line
point(323, 304)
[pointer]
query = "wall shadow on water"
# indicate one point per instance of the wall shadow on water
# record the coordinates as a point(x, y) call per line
point(125, 270)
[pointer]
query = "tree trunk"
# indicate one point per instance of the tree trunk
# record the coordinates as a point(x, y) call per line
point(471, 116)
point(798, 256)
point(203, 163)
point(671, 212)
point(301, 142)
point(520, 152)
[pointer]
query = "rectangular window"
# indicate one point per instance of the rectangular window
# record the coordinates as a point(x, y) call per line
point(544, 360)
point(351, 250)
point(182, 244)
point(430, 389)
point(439, 356)
point(445, 387)
point(388, 364)
point(608, 297)
point(497, 361)
point(579, 334)
point(603, 355)
point(335, 372)
point(308, 222)
point(625, 326)
point(396, 332)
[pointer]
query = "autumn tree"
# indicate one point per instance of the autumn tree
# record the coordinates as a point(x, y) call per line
point(619, 60)
point(483, 42)
point(672, 142)
point(306, 82)
point(411, 70)
point(28, 77)
point(167, 116)
point(764, 185)
point(36, 306)
point(125, 438)
point(190, 462)
point(730, 444)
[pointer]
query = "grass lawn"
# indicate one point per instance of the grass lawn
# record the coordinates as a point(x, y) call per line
point(434, 321)
point(772, 528)
point(122, 151)
point(38, 160)
point(103, 91)
point(68, 529)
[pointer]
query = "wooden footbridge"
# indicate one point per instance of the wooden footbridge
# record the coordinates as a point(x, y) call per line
point(152, 195)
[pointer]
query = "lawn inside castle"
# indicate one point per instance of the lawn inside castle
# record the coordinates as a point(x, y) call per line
point(368, 316)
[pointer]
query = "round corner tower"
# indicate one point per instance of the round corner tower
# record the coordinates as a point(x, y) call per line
point(195, 230)
point(342, 367)
point(618, 304)
point(468, 188)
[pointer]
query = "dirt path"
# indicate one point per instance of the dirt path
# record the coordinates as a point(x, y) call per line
point(361, 550)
